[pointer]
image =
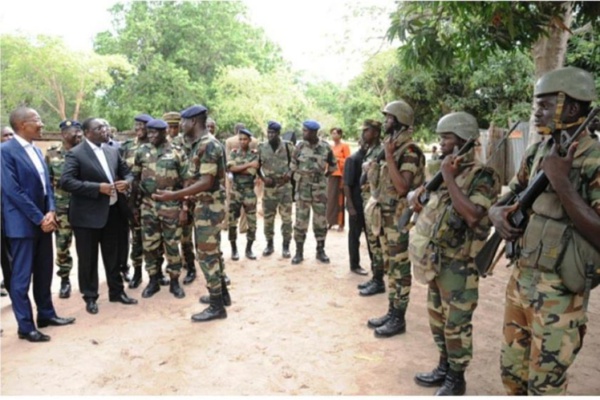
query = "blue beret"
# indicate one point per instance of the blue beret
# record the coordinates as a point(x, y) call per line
point(245, 132)
point(274, 125)
point(143, 118)
point(156, 124)
point(311, 125)
point(193, 111)
point(68, 123)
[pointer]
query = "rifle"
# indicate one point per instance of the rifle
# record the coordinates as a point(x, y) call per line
point(519, 218)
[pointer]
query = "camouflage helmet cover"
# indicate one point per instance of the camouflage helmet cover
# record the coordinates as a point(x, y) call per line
point(462, 124)
point(401, 110)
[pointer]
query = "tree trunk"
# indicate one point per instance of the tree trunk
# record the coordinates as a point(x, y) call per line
point(549, 54)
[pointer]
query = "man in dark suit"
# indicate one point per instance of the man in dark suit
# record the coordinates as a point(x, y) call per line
point(28, 218)
point(97, 178)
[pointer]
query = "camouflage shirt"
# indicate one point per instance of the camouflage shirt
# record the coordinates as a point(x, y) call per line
point(238, 157)
point(156, 168)
point(55, 160)
point(275, 164)
point(310, 162)
point(371, 155)
point(208, 158)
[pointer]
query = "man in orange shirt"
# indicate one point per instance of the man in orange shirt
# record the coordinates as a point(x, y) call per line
point(335, 184)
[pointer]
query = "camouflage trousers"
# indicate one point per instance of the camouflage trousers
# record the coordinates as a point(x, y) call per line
point(394, 247)
point(208, 217)
point(242, 197)
point(137, 249)
point(544, 325)
point(161, 234)
point(187, 244)
point(307, 196)
point(63, 239)
point(274, 199)
point(451, 300)
point(377, 264)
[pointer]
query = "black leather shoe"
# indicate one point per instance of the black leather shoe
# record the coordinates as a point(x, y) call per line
point(91, 306)
point(125, 273)
point(56, 321)
point(122, 298)
point(359, 271)
point(65, 289)
point(34, 336)
point(364, 284)
point(435, 377)
point(375, 287)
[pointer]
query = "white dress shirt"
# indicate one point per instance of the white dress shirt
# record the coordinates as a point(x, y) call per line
point(102, 158)
point(35, 157)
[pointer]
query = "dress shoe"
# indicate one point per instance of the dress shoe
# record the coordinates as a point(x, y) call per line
point(122, 298)
point(91, 306)
point(34, 336)
point(359, 271)
point(125, 273)
point(56, 321)
point(65, 288)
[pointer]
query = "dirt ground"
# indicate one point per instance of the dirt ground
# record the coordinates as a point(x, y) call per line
point(292, 330)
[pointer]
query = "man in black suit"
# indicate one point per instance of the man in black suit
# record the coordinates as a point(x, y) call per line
point(97, 178)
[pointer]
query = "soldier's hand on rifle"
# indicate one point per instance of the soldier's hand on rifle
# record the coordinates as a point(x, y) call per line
point(450, 166)
point(413, 199)
point(499, 217)
point(389, 146)
point(556, 167)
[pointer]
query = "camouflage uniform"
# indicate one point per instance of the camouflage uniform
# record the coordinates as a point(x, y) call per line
point(394, 244)
point(377, 264)
point(544, 322)
point(274, 165)
point(242, 193)
point(453, 289)
point(309, 164)
point(209, 159)
point(55, 159)
point(159, 168)
point(128, 149)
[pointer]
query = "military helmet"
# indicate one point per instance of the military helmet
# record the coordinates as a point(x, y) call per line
point(574, 82)
point(401, 110)
point(462, 124)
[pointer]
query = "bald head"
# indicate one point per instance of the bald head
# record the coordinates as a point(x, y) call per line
point(26, 123)
point(6, 134)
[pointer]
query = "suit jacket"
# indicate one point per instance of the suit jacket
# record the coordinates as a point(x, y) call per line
point(23, 201)
point(82, 176)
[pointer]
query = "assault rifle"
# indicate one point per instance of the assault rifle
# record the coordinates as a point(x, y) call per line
point(518, 219)
point(431, 186)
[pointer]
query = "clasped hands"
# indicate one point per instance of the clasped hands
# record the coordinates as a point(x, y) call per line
point(49, 223)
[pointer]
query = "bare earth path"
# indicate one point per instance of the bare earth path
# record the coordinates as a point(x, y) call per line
point(292, 330)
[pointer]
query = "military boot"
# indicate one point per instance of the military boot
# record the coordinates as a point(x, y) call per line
point(175, 288)
point(216, 310)
point(374, 286)
point(321, 256)
point(65, 288)
point(191, 273)
point(435, 377)
point(286, 249)
point(394, 326)
point(249, 254)
point(380, 321)
point(299, 256)
point(136, 280)
point(162, 279)
point(152, 288)
point(364, 284)
point(269, 249)
point(226, 297)
point(234, 251)
point(454, 384)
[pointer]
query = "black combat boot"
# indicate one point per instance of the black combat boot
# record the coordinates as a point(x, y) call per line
point(321, 256)
point(65, 288)
point(394, 326)
point(435, 377)
point(286, 249)
point(234, 251)
point(226, 297)
point(364, 284)
point(374, 286)
point(175, 288)
point(162, 279)
point(136, 280)
point(380, 321)
point(249, 254)
point(152, 288)
point(299, 256)
point(191, 273)
point(269, 249)
point(454, 384)
point(216, 310)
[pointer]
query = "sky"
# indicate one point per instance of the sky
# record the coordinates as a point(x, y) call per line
point(321, 38)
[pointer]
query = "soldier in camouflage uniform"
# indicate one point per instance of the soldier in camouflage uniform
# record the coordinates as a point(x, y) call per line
point(274, 157)
point(312, 163)
point(206, 169)
point(545, 317)
point(173, 119)
point(55, 159)
point(398, 169)
point(451, 229)
point(159, 165)
point(242, 163)
point(372, 137)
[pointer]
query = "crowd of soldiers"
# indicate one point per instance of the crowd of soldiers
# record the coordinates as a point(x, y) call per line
point(178, 199)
